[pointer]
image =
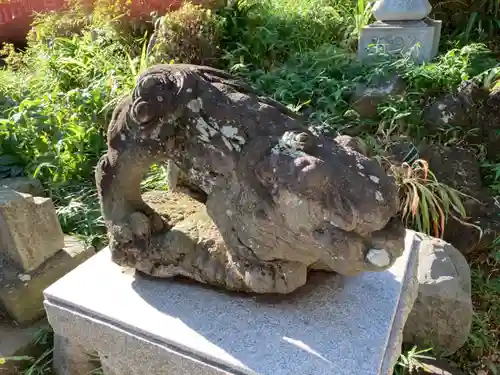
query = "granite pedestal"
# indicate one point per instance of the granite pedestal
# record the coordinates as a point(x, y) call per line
point(419, 39)
point(139, 325)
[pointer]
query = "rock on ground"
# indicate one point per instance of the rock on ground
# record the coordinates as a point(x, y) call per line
point(367, 97)
point(24, 185)
point(473, 109)
point(456, 109)
point(489, 121)
point(441, 317)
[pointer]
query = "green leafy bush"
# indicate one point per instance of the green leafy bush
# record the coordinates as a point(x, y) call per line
point(58, 113)
point(264, 34)
point(190, 34)
point(56, 98)
point(109, 16)
point(52, 25)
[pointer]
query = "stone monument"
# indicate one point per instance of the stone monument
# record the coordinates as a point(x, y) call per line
point(258, 203)
point(402, 27)
point(34, 253)
point(279, 198)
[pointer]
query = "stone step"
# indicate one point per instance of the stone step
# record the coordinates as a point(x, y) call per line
point(21, 293)
point(139, 325)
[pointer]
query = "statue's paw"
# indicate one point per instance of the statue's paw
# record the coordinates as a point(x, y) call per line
point(131, 233)
point(266, 277)
point(156, 222)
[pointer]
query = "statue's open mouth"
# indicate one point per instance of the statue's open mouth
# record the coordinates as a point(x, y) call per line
point(376, 252)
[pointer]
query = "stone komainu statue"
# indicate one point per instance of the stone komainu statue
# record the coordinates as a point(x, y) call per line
point(280, 199)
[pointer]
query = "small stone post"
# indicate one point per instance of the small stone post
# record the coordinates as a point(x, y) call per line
point(402, 27)
point(34, 251)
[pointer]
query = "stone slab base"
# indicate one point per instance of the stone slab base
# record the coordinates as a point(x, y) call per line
point(419, 37)
point(140, 325)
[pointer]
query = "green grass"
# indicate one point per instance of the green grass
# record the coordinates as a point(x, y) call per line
point(470, 20)
point(411, 360)
point(483, 346)
point(56, 99)
point(41, 365)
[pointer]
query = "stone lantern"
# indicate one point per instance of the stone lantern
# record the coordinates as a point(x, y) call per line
point(402, 27)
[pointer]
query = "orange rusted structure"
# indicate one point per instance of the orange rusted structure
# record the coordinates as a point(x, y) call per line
point(16, 15)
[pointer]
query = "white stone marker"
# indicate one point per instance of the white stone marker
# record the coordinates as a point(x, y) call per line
point(402, 27)
point(140, 325)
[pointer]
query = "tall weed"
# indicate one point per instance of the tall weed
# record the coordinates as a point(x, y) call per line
point(470, 20)
point(266, 33)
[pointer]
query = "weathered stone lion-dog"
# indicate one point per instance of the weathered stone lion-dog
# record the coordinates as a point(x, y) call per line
point(280, 198)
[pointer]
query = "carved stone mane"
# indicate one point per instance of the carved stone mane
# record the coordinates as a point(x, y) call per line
point(280, 199)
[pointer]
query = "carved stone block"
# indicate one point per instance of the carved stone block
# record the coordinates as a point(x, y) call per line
point(401, 10)
point(71, 359)
point(420, 39)
point(30, 231)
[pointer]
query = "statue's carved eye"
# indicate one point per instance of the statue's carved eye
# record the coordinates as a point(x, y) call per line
point(145, 86)
point(142, 112)
point(154, 87)
point(152, 99)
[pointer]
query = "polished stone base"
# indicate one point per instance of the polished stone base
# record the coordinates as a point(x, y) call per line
point(139, 325)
